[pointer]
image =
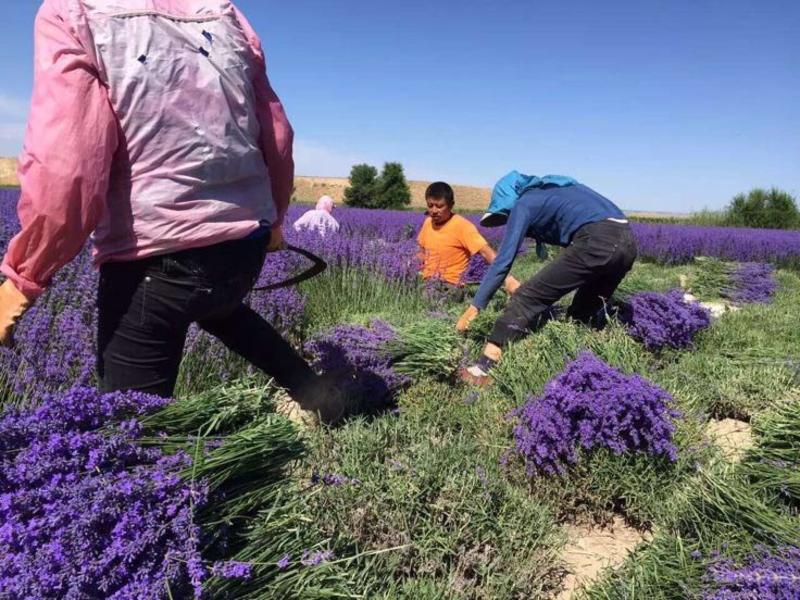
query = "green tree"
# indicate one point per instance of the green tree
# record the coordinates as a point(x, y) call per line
point(363, 190)
point(771, 209)
point(393, 190)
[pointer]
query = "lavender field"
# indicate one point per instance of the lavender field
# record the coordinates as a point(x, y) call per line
point(431, 490)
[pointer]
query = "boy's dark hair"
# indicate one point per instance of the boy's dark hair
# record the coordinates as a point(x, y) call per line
point(441, 191)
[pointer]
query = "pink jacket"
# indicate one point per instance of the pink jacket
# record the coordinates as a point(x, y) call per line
point(153, 125)
point(319, 219)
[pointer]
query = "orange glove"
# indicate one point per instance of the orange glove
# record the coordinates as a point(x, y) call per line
point(276, 241)
point(13, 305)
point(467, 318)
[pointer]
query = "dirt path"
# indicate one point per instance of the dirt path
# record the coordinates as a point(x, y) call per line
point(592, 549)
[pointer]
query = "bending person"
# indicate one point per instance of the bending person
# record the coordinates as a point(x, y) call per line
point(166, 163)
point(599, 250)
point(318, 219)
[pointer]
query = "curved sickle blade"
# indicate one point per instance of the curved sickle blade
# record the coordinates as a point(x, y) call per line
point(317, 266)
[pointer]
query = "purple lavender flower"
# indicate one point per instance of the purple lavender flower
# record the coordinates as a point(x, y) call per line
point(663, 320)
point(314, 559)
point(591, 405)
point(766, 575)
point(678, 244)
point(87, 512)
point(284, 562)
point(476, 270)
point(752, 283)
point(360, 352)
point(232, 570)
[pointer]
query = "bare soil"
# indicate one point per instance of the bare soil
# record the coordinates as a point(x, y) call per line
point(590, 550)
point(733, 437)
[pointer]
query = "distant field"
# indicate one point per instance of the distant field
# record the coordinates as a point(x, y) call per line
point(309, 189)
point(468, 198)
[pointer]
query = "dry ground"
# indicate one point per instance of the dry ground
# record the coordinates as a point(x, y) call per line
point(8, 171)
point(592, 549)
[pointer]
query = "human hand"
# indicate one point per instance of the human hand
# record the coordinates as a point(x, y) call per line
point(466, 318)
point(276, 241)
point(511, 284)
point(13, 305)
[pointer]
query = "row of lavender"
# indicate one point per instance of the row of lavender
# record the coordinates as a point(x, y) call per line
point(374, 236)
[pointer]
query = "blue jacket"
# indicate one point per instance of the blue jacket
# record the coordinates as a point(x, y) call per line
point(549, 214)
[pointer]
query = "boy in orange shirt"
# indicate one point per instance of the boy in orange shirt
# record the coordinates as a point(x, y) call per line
point(448, 240)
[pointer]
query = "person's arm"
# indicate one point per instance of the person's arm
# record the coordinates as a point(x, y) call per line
point(516, 228)
point(511, 284)
point(277, 136)
point(65, 164)
point(422, 252)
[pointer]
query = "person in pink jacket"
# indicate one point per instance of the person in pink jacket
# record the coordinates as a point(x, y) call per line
point(154, 129)
point(319, 219)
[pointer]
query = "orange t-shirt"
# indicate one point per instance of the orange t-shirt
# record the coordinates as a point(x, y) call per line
point(446, 250)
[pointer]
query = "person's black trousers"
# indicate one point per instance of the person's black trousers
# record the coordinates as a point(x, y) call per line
point(146, 306)
point(594, 264)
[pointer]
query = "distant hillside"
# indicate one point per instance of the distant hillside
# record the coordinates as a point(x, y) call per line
point(8, 171)
point(309, 189)
point(468, 198)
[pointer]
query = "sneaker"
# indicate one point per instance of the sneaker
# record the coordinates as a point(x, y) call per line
point(475, 375)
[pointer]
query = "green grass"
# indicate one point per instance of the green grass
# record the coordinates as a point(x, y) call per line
point(420, 491)
point(422, 524)
point(355, 296)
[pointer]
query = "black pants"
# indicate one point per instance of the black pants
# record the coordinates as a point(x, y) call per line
point(594, 264)
point(146, 307)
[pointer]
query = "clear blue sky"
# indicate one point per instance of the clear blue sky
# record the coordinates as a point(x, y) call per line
point(661, 105)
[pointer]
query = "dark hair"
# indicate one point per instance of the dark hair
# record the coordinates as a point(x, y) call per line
point(441, 191)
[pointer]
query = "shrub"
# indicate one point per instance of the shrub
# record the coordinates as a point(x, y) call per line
point(770, 209)
point(367, 190)
point(363, 189)
point(393, 189)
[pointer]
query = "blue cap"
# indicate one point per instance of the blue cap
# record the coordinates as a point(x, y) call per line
point(504, 196)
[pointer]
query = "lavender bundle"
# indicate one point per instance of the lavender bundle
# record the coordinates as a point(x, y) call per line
point(591, 405)
point(765, 575)
point(751, 283)
point(429, 347)
point(362, 353)
point(89, 513)
point(663, 320)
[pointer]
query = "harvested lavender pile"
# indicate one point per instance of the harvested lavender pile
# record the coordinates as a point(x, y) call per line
point(752, 283)
point(591, 405)
point(88, 513)
point(663, 320)
point(765, 575)
point(360, 352)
